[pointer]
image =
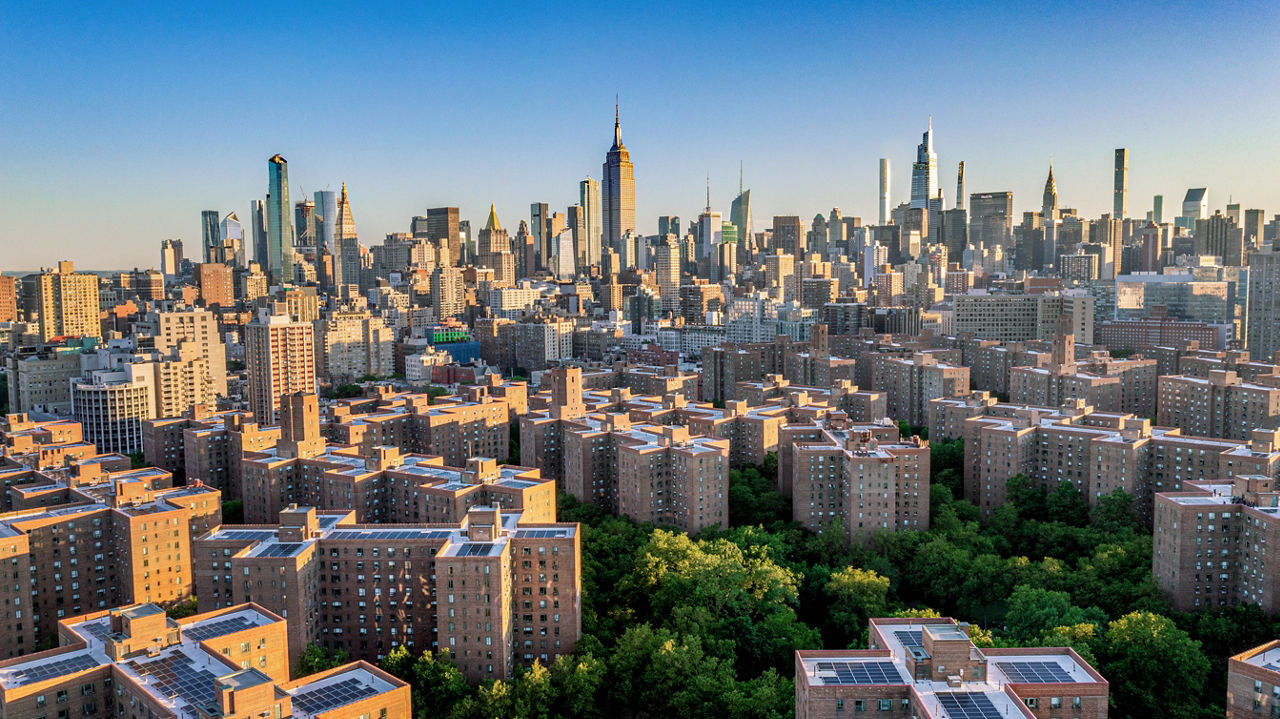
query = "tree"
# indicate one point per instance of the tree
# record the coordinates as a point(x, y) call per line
point(137, 460)
point(1135, 644)
point(183, 609)
point(1034, 611)
point(316, 658)
point(233, 511)
point(855, 595)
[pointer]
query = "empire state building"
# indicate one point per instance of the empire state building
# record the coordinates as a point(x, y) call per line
point(617, 190)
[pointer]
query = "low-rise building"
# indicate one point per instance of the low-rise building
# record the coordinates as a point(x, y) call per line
point(929, 668)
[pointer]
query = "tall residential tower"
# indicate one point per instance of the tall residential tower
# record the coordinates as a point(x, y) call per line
point(1120, 203)
point(924, 172)
point(279, 221)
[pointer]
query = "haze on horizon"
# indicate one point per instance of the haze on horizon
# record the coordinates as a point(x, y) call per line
point(122, 124)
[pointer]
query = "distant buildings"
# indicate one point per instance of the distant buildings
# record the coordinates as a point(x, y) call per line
point(280, 358)
point(618, 191)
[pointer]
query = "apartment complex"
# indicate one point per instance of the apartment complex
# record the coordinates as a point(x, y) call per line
point(496, 588)
point(864, 478)
point(1220, 405)
point(651, 473)
point(1098, 452)
point(1210, 543)
point(909, 383)
point(929, 668)
point(1015, 317)
point(134, 662)
point(352, 344)
point(121, 539)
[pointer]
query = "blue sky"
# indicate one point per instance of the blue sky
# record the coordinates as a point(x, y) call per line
point(121, 123)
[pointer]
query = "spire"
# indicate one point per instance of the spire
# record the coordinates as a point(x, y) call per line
point(708, 193)
point(617, 124)
point(739, 178)
point(344, 191)
point(492, 223)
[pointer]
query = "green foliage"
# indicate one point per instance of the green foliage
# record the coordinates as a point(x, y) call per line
point(946, 464)
point(854, 596)
point(137, 460)
point(434, 391)
point(1138, 643)
point(754, 498)
point(185, 608)
point(316, 658)
point(233, 511)
point(345, 391)
point(1120, 352)
point(235, 366)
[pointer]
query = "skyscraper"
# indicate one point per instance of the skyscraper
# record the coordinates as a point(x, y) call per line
point(924, 172)
point(1120, 202)
point(1264, 303)
point(444, 229)
point(538, 213)
point(669, 225)
point(1049, 202)
point(326, 221)
point(258, 224)
point(231, 231)
point(991, 218)
point(960, 187)
point(209, 234)
point(170, 260)
point(589, 198)
point(618, 189)
point(346, 255)
point(740, 211)
point(279, 221)
point(667, 272)
point(1157, 209)
point(884, 190)
point(1195, 206)
point(65, 302)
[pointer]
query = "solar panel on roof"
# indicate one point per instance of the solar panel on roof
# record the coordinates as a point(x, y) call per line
point(332, 696)
point(968, 705)
point(217, 628)
point(59, 668)
point(879, 672)
point(284, 549)
point(1038, 672)
point(909, 638)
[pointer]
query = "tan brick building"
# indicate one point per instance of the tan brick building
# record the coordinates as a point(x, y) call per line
point(910, 382)
point(118, 541)
point(136, 663)
point(929, 668)
point(1220, 405)
point(1210, 543)
point(1253, 682)
point(495, 589)
point(856, 476)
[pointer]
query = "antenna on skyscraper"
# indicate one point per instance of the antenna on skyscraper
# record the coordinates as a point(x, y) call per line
point(708, 192)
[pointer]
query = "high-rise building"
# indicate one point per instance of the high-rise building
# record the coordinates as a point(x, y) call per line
point(279, 221)
point(618, 190)
point(170, 258)
point(669, 225)
point(1195, 206)
point(1157, 209)
point(1120, 192)
point(991, 218)
point(304, 223)
point(740, 212)
point(280, 357)
point(960, 186)
point(924, 172)
point(346, 255)
point(668, 272)
point(326, 209)
point(1219, 236)
point(258, 225)
point(493, 239)
point(65, 302)
point(884, 190)
point(447, 292)
point(710, 228)
point(788, 235)
point(209, 235)
point(232, 233)
point(538, 213)
point(443, 228)
point(215, 283)
point(354, 344)
point(589, 198)
point(1264, 303)
point(1254, 222)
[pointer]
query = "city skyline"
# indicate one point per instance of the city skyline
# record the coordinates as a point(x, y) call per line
point(73, 138)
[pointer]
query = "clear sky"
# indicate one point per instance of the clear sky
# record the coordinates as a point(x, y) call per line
point(120, 123)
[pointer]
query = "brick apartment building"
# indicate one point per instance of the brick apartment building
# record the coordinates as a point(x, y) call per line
point(918, 668)
point(496, 589)
point(861, 476)
point(1253, 682)
point(134, 662)
point(122, 539)
point(1099, 452)
point(651, 473)
point(1210, 543)
point(1220, 405)
point(910, 382)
